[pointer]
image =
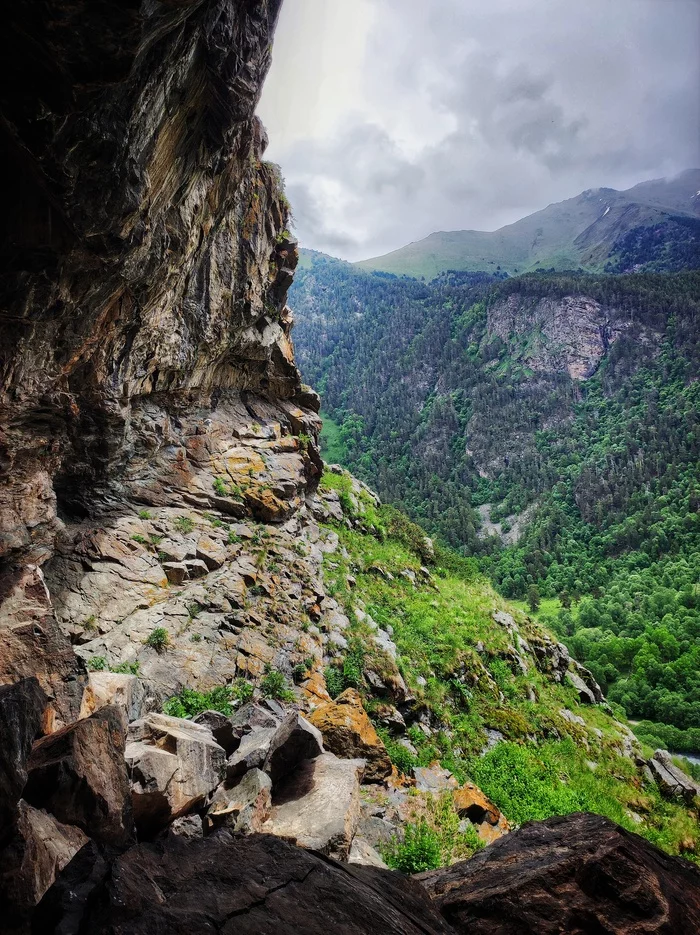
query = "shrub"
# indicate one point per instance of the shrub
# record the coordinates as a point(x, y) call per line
point(126, 668)
point(233, 537)
point(523, 784)
point(242, 690)
point(220, 486)
point(96, 664)
point(184, 524)
point(142, 540)
point(144, 514)
point(353, 665)
point(274, 685)
point(420, 849)
point(190, 702)
point(158, 639)
point(196, 638)
point(335, 683)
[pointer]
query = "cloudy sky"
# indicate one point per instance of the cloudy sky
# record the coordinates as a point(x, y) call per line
point(395, 118)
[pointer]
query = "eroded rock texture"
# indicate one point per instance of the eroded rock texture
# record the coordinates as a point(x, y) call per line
point(145, 358)
point(566, 876)
point(241, 885)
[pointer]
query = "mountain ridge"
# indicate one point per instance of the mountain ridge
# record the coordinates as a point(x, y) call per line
point(582, 231)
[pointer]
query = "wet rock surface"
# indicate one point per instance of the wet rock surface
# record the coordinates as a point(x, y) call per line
point(565, 876)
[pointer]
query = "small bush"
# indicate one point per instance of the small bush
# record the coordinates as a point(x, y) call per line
point(353, 665)
point(184, 524)
point(96, 664)
point(274, 685)
point(142, 540)
point(220, 486)
point(158, 639)
point(190, 702)
point(144, 514)
point(196, 638)
point(420, 849)
point(242, 690)
point(335, 683)
point(233, 537)
point(126, 668)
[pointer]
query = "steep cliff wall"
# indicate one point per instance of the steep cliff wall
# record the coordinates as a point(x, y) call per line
point(145, 259)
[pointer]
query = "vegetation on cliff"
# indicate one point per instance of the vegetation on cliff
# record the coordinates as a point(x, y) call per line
point(490, 708)
point(562, 487)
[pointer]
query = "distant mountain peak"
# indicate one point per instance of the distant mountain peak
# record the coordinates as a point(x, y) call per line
point(580, 232)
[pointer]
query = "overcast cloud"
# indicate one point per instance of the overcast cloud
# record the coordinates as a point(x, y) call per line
point(395, 118)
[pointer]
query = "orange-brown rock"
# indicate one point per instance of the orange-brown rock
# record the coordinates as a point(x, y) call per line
point(348, 732)
point(315, 690)
point(470, 802)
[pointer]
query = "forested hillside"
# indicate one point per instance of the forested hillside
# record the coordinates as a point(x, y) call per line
point(547, 424)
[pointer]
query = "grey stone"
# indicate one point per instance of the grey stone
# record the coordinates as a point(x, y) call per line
point(318, 805)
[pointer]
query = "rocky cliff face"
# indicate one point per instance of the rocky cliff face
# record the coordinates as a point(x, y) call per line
point(561, 335)
point(144, 331)
point(159, 518)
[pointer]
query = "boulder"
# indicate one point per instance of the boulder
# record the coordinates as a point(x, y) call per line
point(318, 805)
point(247, 885)
point(33, 645)
point(586, 676)
point(221, 728)
point(671, 780)
point(363, 853)
point(244, 807)
point(173, 765)
point(471, 803)
point(79, 775)
point(186, 826)
point(251, 752)
point(22, 707)
point(585, 694)
point(295, 740)
point(126, 692)
point(40, 849)
point(568, 876)
point(348, 732)
point(434, 778)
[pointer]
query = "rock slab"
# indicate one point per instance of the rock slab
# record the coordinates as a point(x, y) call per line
point(318, 806)
point(569, 876)
point(234, 886)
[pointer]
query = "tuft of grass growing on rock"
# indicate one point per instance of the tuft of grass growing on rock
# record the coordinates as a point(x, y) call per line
point(184, 524)
point(158, 639)
point(274, 685)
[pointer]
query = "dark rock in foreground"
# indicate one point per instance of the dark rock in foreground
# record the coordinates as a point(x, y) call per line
point(569, 876)
point(226, 884)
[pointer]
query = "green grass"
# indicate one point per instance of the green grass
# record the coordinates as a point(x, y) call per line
point(332, 446)
point(446, 638)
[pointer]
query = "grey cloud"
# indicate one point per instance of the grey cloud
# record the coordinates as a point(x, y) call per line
point(539, 99)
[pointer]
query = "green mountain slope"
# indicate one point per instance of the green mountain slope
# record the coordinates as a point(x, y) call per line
point(549, 425)
point(490, 694)
point(584, 231)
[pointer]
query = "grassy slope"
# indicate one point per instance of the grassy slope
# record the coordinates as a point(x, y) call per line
point(544, 765)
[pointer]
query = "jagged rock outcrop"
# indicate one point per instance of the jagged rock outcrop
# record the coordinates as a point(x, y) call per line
point(565, 876)
point(79, 774)
point(348, 732)
point(672, 781)
point(571, 334)
point(146, 358)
